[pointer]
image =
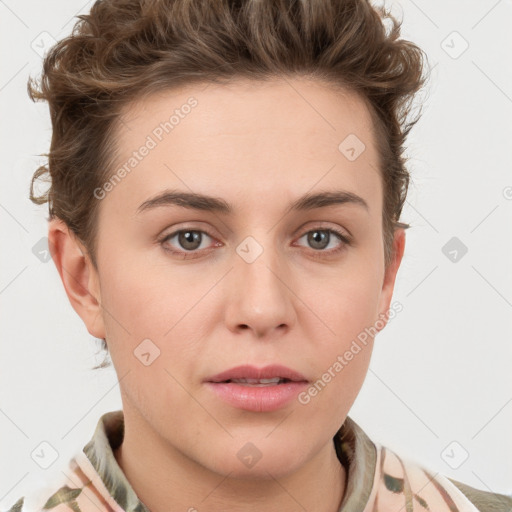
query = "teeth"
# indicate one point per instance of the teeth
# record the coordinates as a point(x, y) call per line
point(261, 382)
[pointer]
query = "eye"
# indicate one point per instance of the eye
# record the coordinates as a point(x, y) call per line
point(188, 240)
point(320, 238)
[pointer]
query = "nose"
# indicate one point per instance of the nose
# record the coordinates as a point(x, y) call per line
point(260, 291)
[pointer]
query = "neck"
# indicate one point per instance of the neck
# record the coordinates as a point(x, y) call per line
point(166, 479)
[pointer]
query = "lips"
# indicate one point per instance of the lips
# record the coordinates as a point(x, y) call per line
point(251, 375)
point(259, 390)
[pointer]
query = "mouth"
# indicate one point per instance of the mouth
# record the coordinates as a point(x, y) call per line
point(257, 382)
point(257, 389)
point(247, 375)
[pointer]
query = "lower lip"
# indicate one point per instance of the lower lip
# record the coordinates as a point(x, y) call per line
point(257, 398)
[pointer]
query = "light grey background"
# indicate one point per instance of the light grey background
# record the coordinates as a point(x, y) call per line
point(439, 386)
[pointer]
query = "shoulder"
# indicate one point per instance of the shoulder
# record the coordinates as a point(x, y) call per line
point(62, 499)
point(383, 479)
point(80, 488)
point(75, 493)
point(402, 482)
point(485, 501)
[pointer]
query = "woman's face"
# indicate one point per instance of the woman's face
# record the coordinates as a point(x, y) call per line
point(252, 282)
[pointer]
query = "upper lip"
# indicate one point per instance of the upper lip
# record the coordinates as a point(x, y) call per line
point(252, 372)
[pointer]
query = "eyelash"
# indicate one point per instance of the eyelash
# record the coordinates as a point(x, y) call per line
point(346, 241)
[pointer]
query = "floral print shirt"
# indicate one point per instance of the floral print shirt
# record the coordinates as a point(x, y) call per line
point(378, 480)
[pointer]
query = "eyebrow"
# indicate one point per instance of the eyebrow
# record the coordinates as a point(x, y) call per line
point(195, 201)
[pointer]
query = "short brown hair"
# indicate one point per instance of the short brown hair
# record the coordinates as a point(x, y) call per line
point(124, 50)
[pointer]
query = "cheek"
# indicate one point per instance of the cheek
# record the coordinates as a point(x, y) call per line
point(147, 342)
point(348, 309)
point(342, 360)
point(347, 305)
point(144, 300)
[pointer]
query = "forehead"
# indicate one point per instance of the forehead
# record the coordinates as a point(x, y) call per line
point(248, 137)
point(305, 106)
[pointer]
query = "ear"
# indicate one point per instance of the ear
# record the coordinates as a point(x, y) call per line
point(78, 275)
point(390, 273)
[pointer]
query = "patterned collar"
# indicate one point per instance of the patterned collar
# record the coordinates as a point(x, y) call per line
point(377, 478)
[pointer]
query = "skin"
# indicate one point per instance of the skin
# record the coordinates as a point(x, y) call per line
point(259, 146)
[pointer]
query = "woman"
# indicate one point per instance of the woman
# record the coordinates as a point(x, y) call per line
point(227, 180)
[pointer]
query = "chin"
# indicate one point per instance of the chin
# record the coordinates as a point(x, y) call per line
point(248, 461)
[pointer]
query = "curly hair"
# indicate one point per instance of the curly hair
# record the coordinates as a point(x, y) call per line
point(125, 50)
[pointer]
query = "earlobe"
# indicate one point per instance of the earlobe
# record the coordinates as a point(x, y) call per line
point(78, 275)
point(390, 273)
